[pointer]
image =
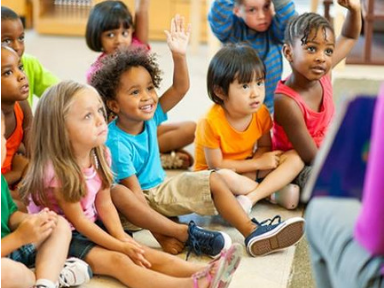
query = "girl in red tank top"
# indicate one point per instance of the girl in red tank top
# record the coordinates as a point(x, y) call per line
point(303, 102)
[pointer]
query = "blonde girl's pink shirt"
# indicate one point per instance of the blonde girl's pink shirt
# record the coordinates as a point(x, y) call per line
point(317, 122)
point(93, 185)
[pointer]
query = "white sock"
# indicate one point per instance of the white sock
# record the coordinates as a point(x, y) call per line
point(245, 203)
point(45, 283)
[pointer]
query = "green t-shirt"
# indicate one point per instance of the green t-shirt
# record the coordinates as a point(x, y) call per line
point(8, 207)
point(39, 78)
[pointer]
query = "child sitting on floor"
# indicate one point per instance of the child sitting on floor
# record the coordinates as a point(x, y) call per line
point(70, 172)
point(18, 119)
point(236, 132)
point(39, 240)
point(110, 27)
point(303, 102)
point(127, 83)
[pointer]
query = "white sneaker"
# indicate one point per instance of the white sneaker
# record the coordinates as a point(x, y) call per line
point(74, 273)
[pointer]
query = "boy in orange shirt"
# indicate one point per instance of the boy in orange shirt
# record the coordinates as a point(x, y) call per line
point(236, 132)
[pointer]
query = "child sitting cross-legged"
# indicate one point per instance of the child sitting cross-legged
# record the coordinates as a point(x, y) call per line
point(70, 173)
point(127, 83)
point(236, 132)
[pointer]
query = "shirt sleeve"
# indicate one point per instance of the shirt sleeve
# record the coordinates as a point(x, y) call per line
point(285, 10)
point(266, 120)
point(43, 77)
point(160, 116)
point(209, 138)
point(221, 18)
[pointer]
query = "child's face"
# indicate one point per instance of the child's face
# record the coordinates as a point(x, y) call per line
point(14, 83)
point(112, 40)
point(85, 121)
point(3, 141)
point(136, 98)
point(12, 35)
point(245, 98)
point(257, 14)
point(314, 59)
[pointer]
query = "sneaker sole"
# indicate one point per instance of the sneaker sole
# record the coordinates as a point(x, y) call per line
point(283, 237)
point(229, 263)
point(227, 244)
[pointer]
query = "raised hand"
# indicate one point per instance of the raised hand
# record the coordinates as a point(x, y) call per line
point(350, 4)
point(178, 37)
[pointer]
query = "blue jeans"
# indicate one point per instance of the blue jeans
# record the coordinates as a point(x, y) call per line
point(338, 260)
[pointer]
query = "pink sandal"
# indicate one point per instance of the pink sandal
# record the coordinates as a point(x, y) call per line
point(227, 265)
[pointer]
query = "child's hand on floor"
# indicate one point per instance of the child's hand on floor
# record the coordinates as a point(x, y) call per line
point(178, 38)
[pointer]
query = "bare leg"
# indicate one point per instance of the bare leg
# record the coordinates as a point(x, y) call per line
point(175, 136)
point(104, 262)
point(239, 184)
point(228, 207)
point(170, 235)
point(290, 166)
point(15, 274)
point(53, 252)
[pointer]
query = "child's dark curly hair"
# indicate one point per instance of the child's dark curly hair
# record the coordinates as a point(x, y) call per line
point(107, 79)
point(302, 26)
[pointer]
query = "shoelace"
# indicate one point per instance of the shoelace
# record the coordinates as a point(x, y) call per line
point(198, 246)
point(264, 223)
point(64, 275)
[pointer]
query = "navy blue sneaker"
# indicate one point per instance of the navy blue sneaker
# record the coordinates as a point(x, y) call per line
point(269, 237)
point(207, 242)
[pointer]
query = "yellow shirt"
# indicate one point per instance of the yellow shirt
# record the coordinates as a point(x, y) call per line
point(214, 131)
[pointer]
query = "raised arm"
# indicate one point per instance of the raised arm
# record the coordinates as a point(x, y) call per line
point(142, 20)
point(222, 19)
point(350, 31)
point(285, 10)
point(177, 40)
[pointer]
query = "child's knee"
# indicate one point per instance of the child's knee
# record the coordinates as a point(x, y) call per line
point(228, 175)
point(294, 159)
point(11, 270)
point(63, 228)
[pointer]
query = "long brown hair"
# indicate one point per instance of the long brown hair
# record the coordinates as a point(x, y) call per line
point(50, 145)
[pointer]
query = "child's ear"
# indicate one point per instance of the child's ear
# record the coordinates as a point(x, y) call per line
point(287, 51)
point(219, 92)
point(236, 10)
point(113, 106)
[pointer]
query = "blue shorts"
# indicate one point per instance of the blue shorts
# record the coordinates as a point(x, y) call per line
point(25, 254)
point(80, 245)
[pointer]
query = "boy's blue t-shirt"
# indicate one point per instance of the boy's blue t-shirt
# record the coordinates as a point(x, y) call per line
point(8, 207)
point(137, 154)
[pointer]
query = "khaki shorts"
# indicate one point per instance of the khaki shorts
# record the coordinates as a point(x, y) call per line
point(186, 193)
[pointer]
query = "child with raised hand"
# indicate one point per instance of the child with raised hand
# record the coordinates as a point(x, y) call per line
point(127, 83)
point(259, 24)
point(39, 240)
point(17, 118)
point(110, 27)
point(303, 102)
point(12, 35)
point(236, 131)
point(70, 173)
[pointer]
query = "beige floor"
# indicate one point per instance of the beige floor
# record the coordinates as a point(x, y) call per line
point(69, 58)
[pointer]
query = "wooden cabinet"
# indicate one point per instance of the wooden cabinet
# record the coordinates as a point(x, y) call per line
point(69, 17)
point(64, 17)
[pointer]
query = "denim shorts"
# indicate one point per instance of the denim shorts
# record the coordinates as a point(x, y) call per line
point(80, 245)
point(25, 254)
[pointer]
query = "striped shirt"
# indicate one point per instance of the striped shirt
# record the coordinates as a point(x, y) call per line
point(229, 28)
